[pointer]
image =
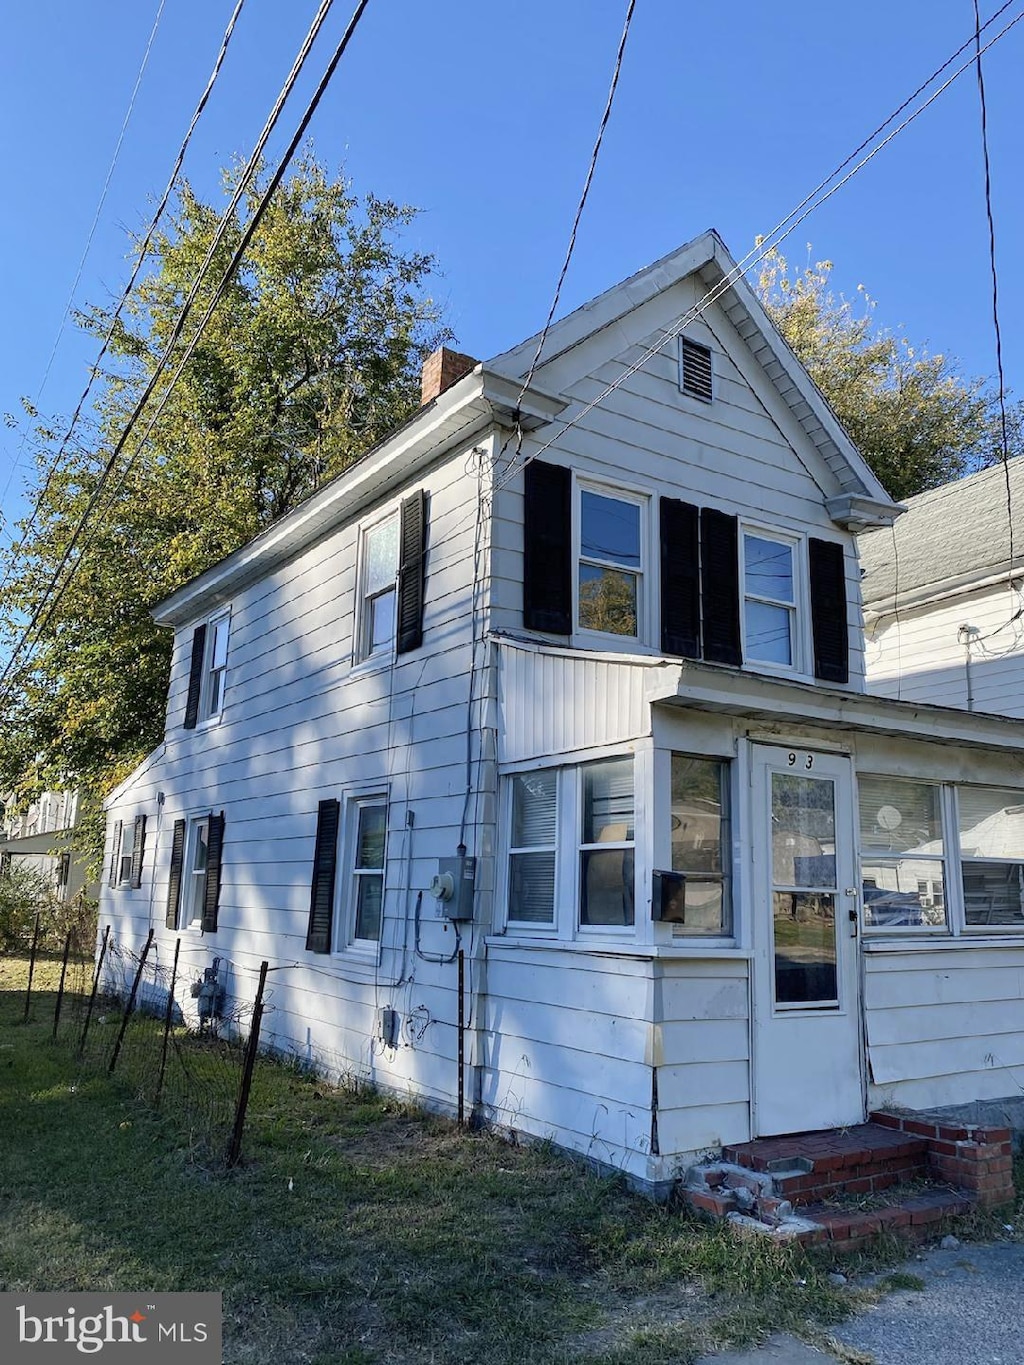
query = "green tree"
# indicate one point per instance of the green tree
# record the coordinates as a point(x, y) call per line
point(312, 356)
point(916, 420)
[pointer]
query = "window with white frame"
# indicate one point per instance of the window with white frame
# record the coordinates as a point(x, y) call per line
point(533, 847)
point(366, 885)
point(991, 830)
point(607, 842)
point(377, 592)
point(216, 666)
point(769, 600)
point(701, 844)
point(902, 853)
point(124, 873)
point(193, 891)
point(571, 842)
point(610, 571)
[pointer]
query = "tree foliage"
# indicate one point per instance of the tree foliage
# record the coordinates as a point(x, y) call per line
point(312, 356)
point(916, 420)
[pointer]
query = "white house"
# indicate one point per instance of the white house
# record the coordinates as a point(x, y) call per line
point(571, 681)
point(943, 608)
point(40, 837)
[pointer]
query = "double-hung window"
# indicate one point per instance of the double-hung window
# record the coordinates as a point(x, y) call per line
point(193, 892)
point(349, 918)
point(367, 886)
point(378, 589)
point(769, 600)
point(207, 672)
point(611, 569)
point(571, 844)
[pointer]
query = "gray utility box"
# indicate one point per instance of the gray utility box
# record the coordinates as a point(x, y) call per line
point(462, 871)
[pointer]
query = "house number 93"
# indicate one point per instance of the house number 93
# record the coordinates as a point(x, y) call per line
point(801, 760)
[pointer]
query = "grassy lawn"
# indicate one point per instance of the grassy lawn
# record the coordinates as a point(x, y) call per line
point(358, 1230)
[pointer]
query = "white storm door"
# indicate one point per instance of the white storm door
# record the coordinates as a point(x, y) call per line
point(807, 1036)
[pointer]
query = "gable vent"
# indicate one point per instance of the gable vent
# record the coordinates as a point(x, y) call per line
point(695, 369)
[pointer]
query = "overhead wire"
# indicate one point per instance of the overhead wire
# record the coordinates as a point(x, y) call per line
point(811, 202)
point(1005, 450)
point(258, 213)
point(92, 230)
point(591, 168)
point(141, 255)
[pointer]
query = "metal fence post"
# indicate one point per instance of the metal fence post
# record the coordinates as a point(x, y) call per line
point(235, 1148)
point(95, 988)
point(167, 1023)
point(60, 988)
point(31, 968)
point(131, 1002)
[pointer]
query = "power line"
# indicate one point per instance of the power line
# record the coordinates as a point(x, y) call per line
point(115, 317)
point(778, 234)
point(583, 197)
point(995, 278)
point(92, 230)
point(38, 618)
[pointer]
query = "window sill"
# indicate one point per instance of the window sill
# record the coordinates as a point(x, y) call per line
point(591, 947)
point(944, 943)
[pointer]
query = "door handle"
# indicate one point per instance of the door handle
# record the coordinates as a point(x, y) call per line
point(854, 921)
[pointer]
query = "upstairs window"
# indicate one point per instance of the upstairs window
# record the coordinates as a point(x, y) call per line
point(378, 589)
point(610, 577)
point(695, 374)
point(207, 671)
point(769, 600)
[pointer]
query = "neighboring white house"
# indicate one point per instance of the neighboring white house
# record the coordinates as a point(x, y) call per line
point(943, 601)
point(41, 838)
point(584, 666)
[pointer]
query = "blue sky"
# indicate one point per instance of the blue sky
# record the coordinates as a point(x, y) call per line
point(484, 116)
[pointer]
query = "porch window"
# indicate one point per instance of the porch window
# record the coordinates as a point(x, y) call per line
point(607, 838)
point(902, 854)
point(533, 848)
point(991, 825)
point(701, 842)
point(610, 564)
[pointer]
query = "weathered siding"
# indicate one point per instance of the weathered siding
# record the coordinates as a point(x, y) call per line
point(744, 452)
point(301, 723)
point(917, 654)
point(944, 1026)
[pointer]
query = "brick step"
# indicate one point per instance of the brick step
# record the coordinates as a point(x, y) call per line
point(914, 1218)
point(810, 1167)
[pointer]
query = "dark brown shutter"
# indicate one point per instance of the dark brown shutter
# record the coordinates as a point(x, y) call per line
point(720, 587)
point(325, 859)
point(174, 880)
point(115, 855)
point(195, 678)
point(828, 611)
point(214, 851)
point(547, 548)
point(680, 578)
point(412, 572)
point(137, 850)
point(696, 366)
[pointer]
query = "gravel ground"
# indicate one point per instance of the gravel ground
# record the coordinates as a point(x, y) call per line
point(971, 1312)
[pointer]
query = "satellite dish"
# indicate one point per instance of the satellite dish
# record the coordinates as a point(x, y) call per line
point(889, 817)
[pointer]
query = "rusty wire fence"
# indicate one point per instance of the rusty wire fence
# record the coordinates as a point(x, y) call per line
point(116, 1011)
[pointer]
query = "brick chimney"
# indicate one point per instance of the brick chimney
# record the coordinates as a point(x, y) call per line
point(441, 369)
